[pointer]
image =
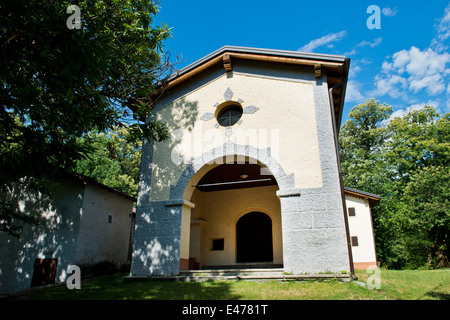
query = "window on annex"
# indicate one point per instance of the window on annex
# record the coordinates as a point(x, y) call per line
point(351, 212)
point(354, 241)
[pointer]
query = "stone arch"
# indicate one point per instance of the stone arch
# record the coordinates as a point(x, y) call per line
point(181, 193)
point(229, 152)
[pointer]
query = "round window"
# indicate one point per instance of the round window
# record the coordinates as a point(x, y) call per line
point(229, 115)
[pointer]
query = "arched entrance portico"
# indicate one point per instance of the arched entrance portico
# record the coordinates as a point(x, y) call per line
point(184, 231)
point(227, 226)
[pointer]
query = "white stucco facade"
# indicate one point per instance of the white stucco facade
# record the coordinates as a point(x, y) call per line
point(287, 126)
point(105, 227)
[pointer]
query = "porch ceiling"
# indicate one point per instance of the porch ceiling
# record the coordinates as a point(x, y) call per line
point(228, 176)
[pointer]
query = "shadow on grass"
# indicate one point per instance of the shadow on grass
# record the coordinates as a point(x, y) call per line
point(115, 288)
point(438, 295)
point(167, 290)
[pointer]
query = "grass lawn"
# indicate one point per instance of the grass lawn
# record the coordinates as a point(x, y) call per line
point(394, 285)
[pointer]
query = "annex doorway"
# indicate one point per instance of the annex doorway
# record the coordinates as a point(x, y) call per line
point(254, 241)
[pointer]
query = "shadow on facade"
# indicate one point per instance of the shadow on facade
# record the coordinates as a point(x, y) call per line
point(183, 114)
point(54, 237)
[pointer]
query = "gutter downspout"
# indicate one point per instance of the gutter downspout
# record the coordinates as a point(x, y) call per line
point(344, 206)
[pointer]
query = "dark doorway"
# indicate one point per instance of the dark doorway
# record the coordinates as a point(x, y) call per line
point(44, 272)
point(254, 238)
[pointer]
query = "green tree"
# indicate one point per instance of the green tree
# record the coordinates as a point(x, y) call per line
point(406, 162)
point(58, 84)
point(427, 226)
point(419, 139)
point(361, 141)
point(115, 160)
point(419, 149)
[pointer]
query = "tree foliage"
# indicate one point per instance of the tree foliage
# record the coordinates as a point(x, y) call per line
point(361, 141)
point(115, 160)
point(58, 84)
point(428, 216)
point(406, 161)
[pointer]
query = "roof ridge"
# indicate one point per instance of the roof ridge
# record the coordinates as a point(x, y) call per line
point(261, 51)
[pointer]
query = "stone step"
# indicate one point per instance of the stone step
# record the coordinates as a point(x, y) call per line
point(269, 272)
point(257, 275)
point(252, 272)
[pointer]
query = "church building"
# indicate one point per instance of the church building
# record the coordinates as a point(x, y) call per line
point(251, 175)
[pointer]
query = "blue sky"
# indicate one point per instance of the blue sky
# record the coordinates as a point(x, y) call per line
point(405, 63)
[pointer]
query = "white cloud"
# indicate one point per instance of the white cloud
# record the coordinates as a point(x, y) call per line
point(364, 43)
point(421, 63)
point(355, 69)
point(412, 107)
point(356, 66)
point(443, 28)
point(388, 12)
point(443, 31)
point(353, 93)
point(373, 44)
point(412, 75)
point(392, 85)
point(387, 66)
point(349, 53)
point(365, 61)
point(325, 40)
point(418, 106)
point(434, 84)
point(413, 70)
